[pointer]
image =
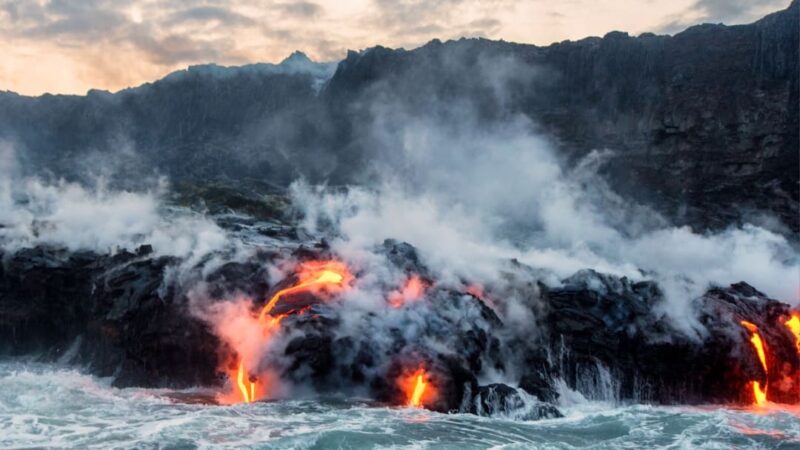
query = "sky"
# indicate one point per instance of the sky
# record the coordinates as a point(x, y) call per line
point(71, 46)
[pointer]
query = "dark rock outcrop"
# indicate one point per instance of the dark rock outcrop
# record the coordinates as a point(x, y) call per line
point(448, 333)
point(611, 345)
point(500, 400)
point(118, 315)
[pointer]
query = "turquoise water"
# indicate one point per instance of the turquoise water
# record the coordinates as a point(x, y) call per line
point(52, 407)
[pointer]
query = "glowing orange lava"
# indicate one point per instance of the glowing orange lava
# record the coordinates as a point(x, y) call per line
point(417, 388)
point(475, 290)
point(248, 395)
point(414, 289)
point(311, 275)
point(794, 326)
point(759, 394)
point(314, 276)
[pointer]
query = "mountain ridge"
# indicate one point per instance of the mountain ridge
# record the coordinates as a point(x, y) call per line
point(434, 41)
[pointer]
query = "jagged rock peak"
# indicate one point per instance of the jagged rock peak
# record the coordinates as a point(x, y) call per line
point(297, 57)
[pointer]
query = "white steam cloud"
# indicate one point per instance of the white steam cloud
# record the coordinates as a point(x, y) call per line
point(471, 196)
point(75, 217)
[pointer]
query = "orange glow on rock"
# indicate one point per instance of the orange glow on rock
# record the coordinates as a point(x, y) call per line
point(794, 326)
point(417, 388)
point(475, 290)
point(413, 289)
point(760, 395)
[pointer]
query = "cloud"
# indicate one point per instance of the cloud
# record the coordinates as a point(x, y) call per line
point(175, 49)
point(439, 18)
point(79, 20)
point(301, 9)
point(732, 11)
point(209, 13)
point(720, 11)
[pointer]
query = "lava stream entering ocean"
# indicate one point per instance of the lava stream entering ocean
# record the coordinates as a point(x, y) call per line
point(759, 394)
point(417, 388)
point(248, 395)
point(328, 277)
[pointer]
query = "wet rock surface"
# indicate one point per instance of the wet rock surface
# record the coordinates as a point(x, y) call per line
point(501, 400)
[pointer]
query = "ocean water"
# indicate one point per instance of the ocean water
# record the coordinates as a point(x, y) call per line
point(47, 406)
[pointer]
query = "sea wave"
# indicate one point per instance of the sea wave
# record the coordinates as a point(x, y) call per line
point(46, 405)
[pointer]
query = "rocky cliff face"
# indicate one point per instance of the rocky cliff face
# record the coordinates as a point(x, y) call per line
point(692, 118)
point(703, 124)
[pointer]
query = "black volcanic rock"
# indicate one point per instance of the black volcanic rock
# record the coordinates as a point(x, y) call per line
point(122, 315)
point(38, 291)
point(692, 118)
point(612, 346)
point(538, 381)
point(108, 313)
point(376, 351)
point(500, 400)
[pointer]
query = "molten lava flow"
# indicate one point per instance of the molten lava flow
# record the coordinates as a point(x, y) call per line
point(414, 289)
point(757, 343)
point(417, 388)
point(475, 290)
point(794, 326)
point(759, 394)
point(247, 335)
point(314, 274)
point(248, 395)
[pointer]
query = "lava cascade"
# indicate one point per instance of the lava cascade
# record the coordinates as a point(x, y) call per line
point(759, 394)
point(793, 324)
point(417, 388)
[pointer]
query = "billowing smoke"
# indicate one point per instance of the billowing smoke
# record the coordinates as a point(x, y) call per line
point(471, 197)
point(97, 218)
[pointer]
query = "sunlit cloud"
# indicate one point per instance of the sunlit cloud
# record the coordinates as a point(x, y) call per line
point(720, 11)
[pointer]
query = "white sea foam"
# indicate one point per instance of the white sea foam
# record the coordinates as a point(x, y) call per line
point(49, 406)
